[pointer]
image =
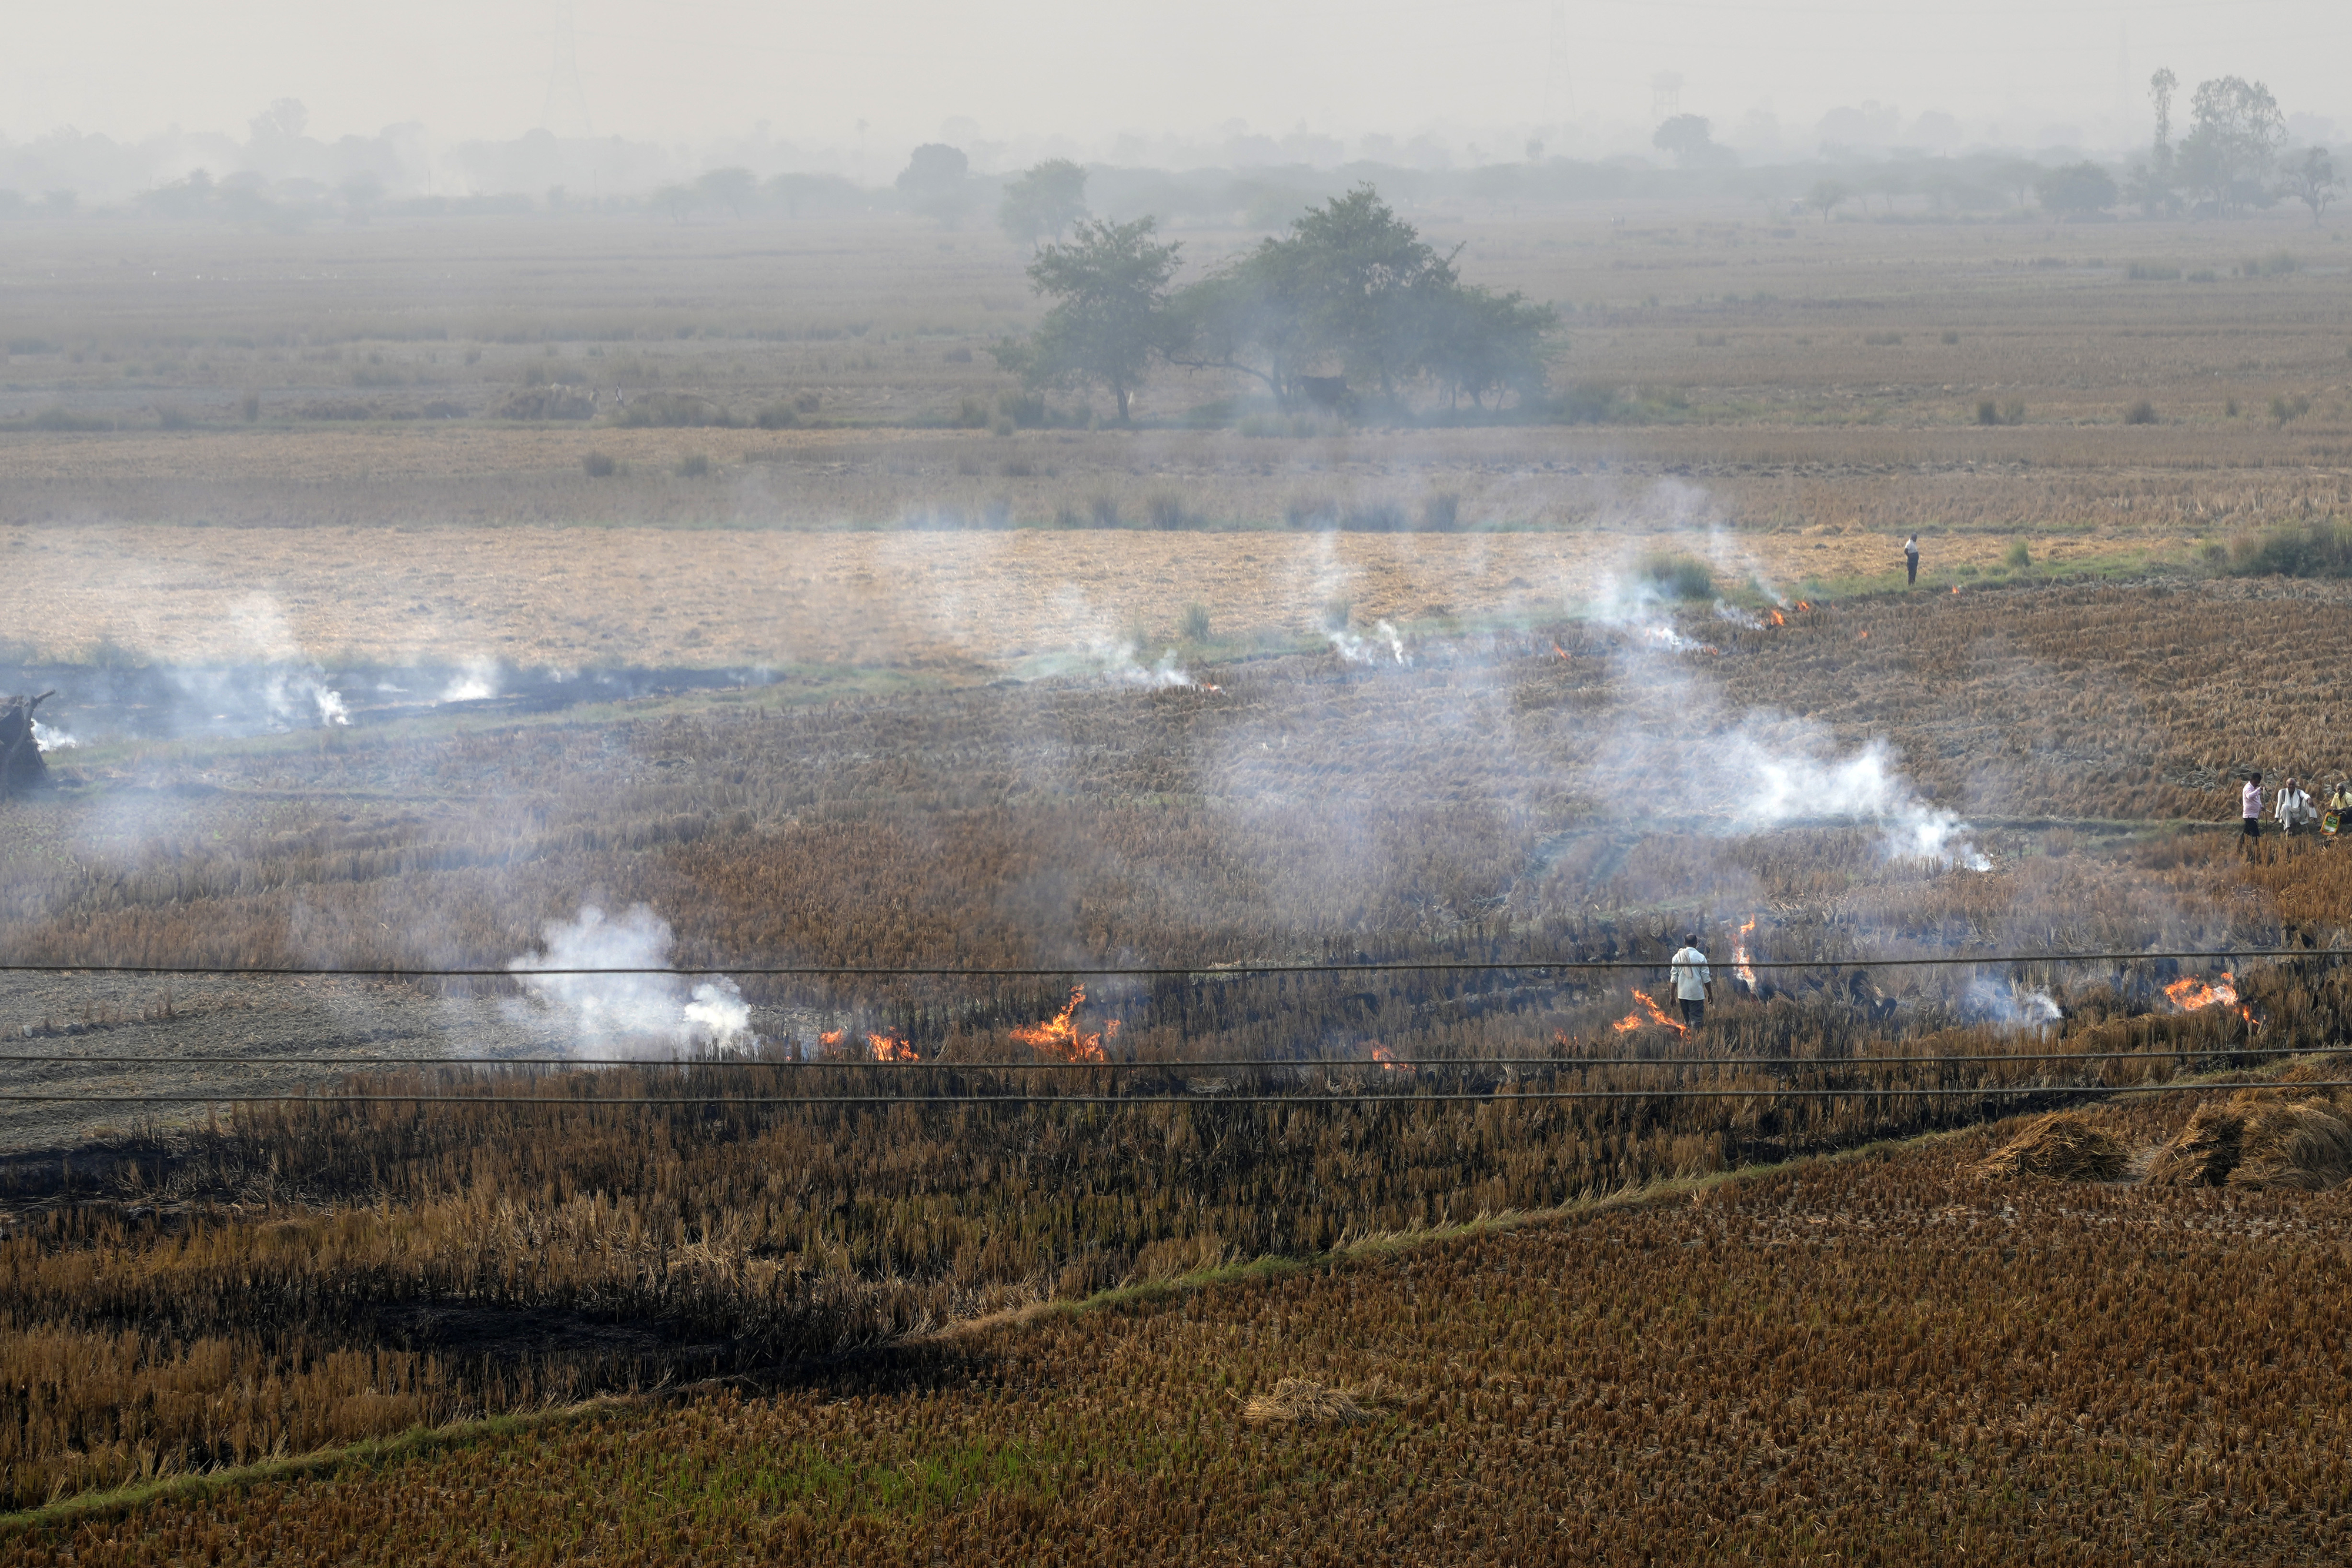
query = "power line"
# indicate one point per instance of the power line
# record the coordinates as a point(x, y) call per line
point(1497, 1096)
point(1149, 971)
point(1056, 1065)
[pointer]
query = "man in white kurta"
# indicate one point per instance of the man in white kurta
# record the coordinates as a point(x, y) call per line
point(1692, 978)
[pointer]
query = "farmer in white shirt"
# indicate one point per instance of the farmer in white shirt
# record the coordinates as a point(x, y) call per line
point(1692, 978)
point(2250, 805)
point(2293, 808)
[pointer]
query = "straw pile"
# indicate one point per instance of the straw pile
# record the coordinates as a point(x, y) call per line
point(1297, 1401)
point(2251, 1143)
point(2063, 1145)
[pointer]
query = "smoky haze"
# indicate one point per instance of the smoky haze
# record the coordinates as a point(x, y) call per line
point(1316, 82)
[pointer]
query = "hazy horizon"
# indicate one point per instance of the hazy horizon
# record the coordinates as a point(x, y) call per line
point(1481, 77)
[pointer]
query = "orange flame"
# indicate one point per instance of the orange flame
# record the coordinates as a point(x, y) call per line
point(1778, 619)
point(827, 1039)
point(1956, 587)
point(1061, 1036)
point(1634, 1020)
point(1386, 1058)
point(1802, 606)
point(891, 1048)
point(1740, 966)
point(1558, 650)
point(1862, 637)
point(2189, 994)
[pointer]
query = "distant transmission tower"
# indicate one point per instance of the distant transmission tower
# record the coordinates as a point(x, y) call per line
point(1665, 97)
point(1560, 94)
point(566, 110)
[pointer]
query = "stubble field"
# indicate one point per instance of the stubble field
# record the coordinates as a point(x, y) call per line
point(961, 743)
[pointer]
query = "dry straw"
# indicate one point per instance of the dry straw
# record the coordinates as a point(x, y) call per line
point(1298, 1401)
point(2062, 1145)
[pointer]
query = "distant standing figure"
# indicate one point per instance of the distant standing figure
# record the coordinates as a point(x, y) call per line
point(1911, 560)
point(2293, 808)
point(2250, 802)
point(1691, 979)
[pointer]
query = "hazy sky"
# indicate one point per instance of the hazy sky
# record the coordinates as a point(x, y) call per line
point(1091, 68)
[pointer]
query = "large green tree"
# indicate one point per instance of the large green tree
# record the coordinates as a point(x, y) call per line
point(1354, 291)
point(1042, 202)
point(2233, 141)
point(2076, 190)
point(937, 182)
point(1109, 287)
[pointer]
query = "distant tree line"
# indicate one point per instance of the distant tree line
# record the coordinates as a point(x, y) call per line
point(1350, 306)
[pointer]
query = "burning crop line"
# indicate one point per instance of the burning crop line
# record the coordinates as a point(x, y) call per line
point(1061, 1036)
point(1386, 1058)
point(1657, 1015)
point(2190, 994)
point(1742, 964)
point(891, 1048)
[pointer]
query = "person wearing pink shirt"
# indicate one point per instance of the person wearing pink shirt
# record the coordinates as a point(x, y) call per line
point(2250, 801)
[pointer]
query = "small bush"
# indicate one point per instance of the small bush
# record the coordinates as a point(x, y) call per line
point(2012, 411)
point(693, 466)
point(778, 416)
point(546, 403)
point(1950, 337)
point(1194, 627)
point(1988, 413)
point(1441, 513)
point(1310, 512)
point(66, 419)
point(672, 411)
point(2286, 407)
point(2230, 408)
point(1682, 576)
point(1376, 517)
point(250, 409)
point(2203, 274)
point(1882, 339)
point(2017, 556)
point(2152, 272)
point(172, 416)
point(599, 466)
point(2316, 548)
point(2141, 412)
point(1167, 512)
point(1105, 512)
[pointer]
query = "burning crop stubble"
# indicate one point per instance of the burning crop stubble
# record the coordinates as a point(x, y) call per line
point(1491, 781)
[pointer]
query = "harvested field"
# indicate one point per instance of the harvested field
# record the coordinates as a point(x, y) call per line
point(960, 601)
point(1891, 1351)
point(367, 658)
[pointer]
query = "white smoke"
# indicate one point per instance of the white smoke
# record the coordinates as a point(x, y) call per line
point(1638, 606)
point(283, 690)
point(1358, 649)
point(1773, 773)
point(476, 681)
point(1118, 664)
point(1765, 770)
point(1725, 611)
point(45, 738)
point(2008, 1005)
point(630, 1014)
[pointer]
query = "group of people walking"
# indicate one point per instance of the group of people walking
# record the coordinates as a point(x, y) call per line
point(2297, 813)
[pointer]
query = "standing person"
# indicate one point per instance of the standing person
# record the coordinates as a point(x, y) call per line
point(2250, 805)
point(1691, 979)
point(2293, 808)
point(1911, 560)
